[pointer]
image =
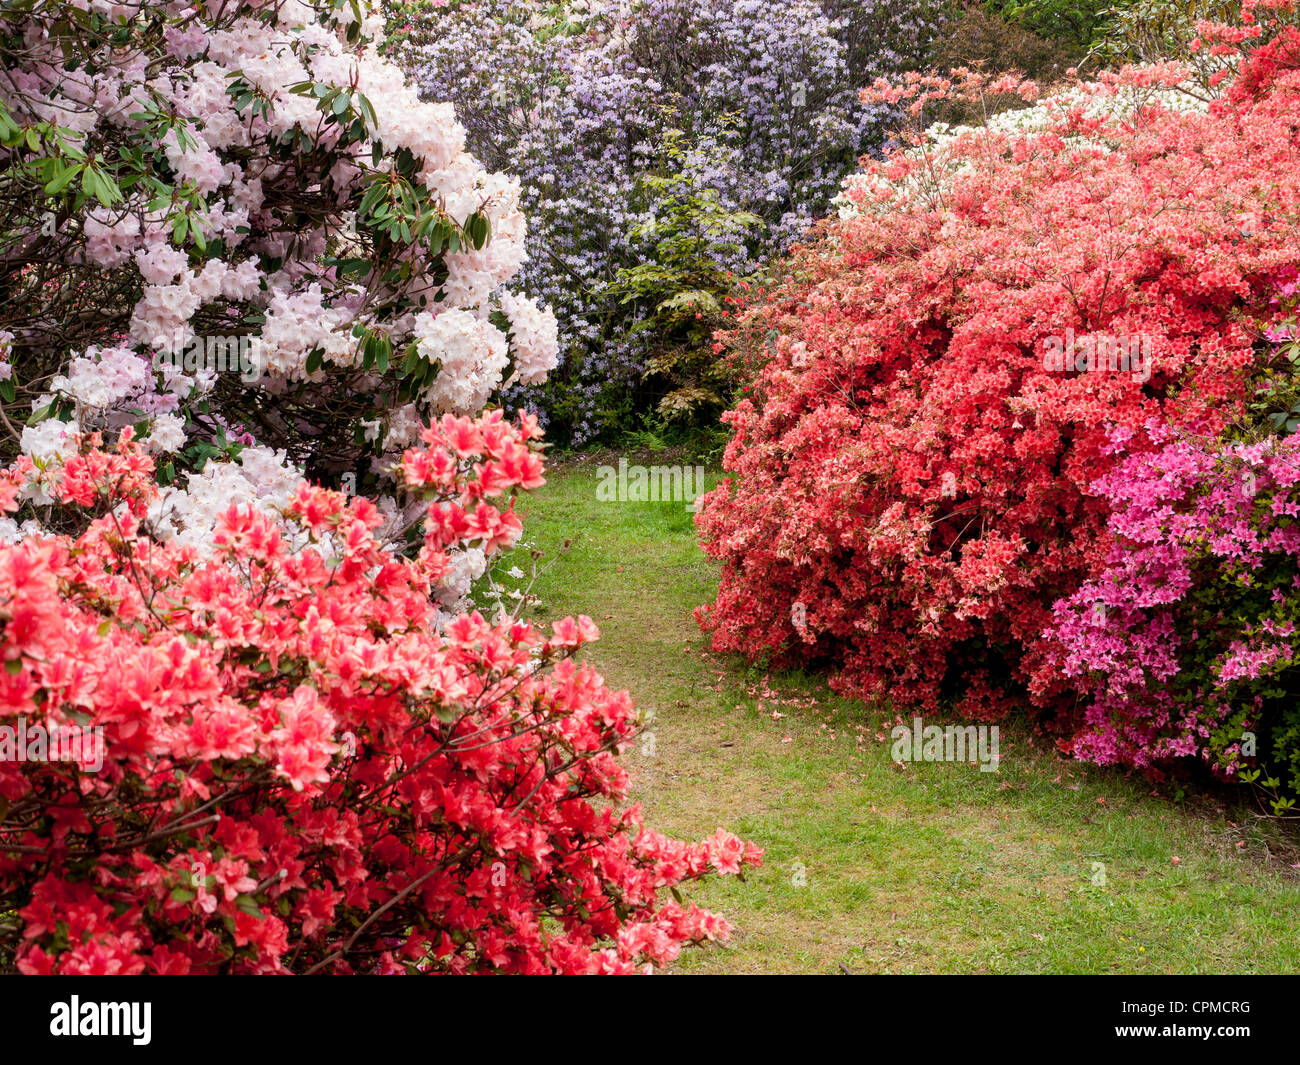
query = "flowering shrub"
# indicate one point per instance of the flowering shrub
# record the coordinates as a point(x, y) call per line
point(297, 773)
point(1185, 643)
point(584, 100)
point(236, 224)
point(912, 465)
point(1151, 31)
point(678, 296)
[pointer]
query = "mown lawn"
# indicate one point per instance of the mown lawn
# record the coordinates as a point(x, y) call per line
point(935, 867)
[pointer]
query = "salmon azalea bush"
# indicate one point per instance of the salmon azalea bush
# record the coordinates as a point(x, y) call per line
point(283, 766)
point(939, 375)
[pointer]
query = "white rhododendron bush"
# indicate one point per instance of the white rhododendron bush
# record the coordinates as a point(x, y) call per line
point(237, 229)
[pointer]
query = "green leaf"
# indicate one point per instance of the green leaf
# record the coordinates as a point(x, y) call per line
point(367, 111)
point(249, 905)
point(477, 229)
point(412, 359)
point(62, 179)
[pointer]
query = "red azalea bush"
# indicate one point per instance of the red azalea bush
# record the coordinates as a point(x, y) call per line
point(911, 467)
point(283, 767)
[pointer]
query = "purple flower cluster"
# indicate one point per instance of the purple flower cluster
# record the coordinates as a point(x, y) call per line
point(578, 105)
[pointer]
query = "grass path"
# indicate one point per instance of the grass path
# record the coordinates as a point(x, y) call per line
point(930, 868)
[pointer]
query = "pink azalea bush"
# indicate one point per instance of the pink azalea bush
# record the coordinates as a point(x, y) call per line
point(284, 767)
point(1185, 645)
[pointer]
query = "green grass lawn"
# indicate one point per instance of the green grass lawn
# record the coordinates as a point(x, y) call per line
point(935, 867)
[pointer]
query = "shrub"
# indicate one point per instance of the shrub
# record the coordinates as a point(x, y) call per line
point(912, 466)
point(581, 101)
point(1148, 31)
point(976, 38)
point(294, 772)
point(1077, 22)
point(235, 224)
point(1184, 645)
point(1154, 31)
point(678, 298)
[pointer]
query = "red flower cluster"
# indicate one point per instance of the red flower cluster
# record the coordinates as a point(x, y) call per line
point(283, 767)
point(912, 466)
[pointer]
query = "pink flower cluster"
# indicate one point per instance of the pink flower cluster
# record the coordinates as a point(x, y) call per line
point(1186, 640)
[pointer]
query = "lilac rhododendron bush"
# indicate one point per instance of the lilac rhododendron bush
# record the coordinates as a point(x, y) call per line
point(918, 470)
point(292, 770)
point(585, 101)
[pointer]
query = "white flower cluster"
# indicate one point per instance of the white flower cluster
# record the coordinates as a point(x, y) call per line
point(11, 532)
point(102, 377)
point(260, 478)
point(473, 355)
point(50, 440)
point(48, 444)
point(464, 569)
point(534, 337)
point(167, 433)
point(404, 427)
point(105, 385)
point(1093, 100)
point(298, 322)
